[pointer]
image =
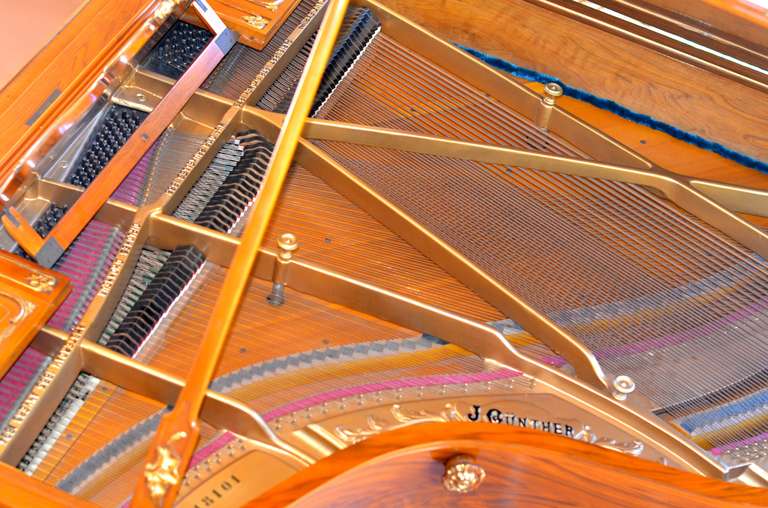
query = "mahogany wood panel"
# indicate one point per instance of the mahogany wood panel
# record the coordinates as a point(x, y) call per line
point(28, 298)
point(29, 27)
point(257, 21)
point(29, 492)
point(69, 64)
point(606, 65)
point(524, 468)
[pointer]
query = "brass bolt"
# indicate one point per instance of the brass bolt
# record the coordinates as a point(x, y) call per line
point(462, 475)
point(622, 387)
point(287, 244)
point(551, 92)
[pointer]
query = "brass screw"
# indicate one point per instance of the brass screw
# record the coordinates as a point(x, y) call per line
point(551, 92)
point(287, 244)
point(622, 387)
point(462, 475)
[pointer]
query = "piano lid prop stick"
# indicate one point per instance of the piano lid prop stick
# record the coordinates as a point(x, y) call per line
point(48, 250)
point(178, 432)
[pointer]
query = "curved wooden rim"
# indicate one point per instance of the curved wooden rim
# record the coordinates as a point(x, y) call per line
point(454, 437)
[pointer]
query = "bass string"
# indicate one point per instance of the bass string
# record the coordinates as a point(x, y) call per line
point(445, 166)
point(376, 79)
point(106, 410)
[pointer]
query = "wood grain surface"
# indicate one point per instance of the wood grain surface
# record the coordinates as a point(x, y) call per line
point(523, 467)
point(741, 18)
point(690, 98)
point(336, 234)
point(28, 492)
point(30, 26)
point(262, 331)
point(665, 150)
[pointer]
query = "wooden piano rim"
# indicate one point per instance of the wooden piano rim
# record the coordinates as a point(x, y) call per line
point(441, 441)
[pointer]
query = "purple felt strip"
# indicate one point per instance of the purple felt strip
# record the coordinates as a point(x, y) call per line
point(674, 339)
point(211, 448)
point(18, 377)
point(86, 254)
point(738, 444)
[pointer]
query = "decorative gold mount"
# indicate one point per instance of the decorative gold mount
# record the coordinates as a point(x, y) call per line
point(258, 22)
point(462, 475)
point(41, 282)
point(163, 473)
point(271, 5)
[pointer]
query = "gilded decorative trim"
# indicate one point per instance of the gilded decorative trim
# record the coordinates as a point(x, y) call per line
point(451, 413)
point(257, 22)
point(25, 308)
point(41, 282)
point(164, 471)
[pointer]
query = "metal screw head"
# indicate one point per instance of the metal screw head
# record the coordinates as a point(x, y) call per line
point(462, 475)
point(287, 244)
point(551, 92)
point(288, 241)
point(623, 386)
point(553, 89)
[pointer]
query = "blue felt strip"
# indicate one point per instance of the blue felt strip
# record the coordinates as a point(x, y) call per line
point(614, 107)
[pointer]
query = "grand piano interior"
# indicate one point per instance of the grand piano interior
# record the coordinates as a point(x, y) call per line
point(313, 252)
